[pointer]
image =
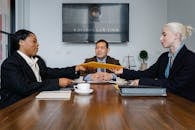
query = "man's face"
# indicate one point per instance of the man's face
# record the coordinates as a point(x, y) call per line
point(101, 50)
point(29, 46)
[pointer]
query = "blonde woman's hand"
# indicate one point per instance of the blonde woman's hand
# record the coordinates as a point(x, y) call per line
point(134, 82)
point(117, 71)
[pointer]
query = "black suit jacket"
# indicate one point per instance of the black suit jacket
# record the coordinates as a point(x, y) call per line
point(19, 81)
point(109, 60)
point(181, 79)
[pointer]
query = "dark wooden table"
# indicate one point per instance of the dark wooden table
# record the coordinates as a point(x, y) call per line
point(104, 109)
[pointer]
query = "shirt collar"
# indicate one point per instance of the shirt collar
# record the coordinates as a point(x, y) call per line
point(176, 52)
point(104, 60)
point(30, 60)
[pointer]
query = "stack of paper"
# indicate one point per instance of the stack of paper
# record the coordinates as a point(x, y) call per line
point(54, 95)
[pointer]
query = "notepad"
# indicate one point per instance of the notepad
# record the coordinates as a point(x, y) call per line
point(54, 95)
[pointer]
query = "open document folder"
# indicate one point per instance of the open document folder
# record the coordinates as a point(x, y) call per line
point(94, 64)
point(54, 95)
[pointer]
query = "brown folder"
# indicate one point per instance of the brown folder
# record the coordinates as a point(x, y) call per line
point(94, 64)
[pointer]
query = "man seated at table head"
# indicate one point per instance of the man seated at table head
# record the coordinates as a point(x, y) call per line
point(100, 74)
point(24, 72)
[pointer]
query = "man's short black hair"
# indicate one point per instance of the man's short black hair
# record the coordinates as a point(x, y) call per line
point(102, 40)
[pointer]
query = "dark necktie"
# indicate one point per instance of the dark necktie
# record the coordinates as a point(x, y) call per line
point(102, 69)
point(170, 63)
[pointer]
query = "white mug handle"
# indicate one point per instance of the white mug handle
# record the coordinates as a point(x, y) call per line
point(75, 87)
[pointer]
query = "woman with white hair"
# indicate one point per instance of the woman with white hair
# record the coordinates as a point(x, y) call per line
point(175, 69)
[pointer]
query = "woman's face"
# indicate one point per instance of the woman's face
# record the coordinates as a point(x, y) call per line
point(167, 38)
point(29, 46)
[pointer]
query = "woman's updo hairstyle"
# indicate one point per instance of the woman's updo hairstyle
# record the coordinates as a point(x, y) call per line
point(184, 30)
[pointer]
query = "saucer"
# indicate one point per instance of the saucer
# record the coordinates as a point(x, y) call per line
point(83, 92)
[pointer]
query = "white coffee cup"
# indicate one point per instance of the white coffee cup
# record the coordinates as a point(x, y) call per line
point(82, 86)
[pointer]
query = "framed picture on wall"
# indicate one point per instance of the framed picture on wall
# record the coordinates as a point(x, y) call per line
point(89, 22)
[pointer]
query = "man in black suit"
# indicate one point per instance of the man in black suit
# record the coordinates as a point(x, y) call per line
point(101, 50)
point(24, 73)
point(175, 69)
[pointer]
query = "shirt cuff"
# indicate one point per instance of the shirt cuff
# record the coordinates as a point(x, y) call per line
point(87, 77)
point(114, 76)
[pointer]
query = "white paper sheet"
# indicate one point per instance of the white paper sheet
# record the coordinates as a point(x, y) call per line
point(54, 95)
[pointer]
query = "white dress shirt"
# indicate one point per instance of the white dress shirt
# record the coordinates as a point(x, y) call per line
point(32, 62)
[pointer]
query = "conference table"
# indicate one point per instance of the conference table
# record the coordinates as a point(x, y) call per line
point(104, 109)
